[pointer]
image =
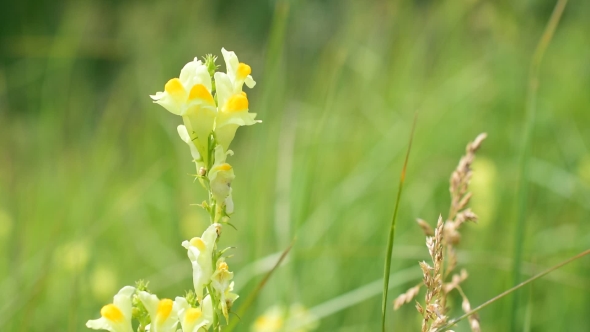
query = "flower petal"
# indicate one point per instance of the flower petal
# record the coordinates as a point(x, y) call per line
point(123, 300)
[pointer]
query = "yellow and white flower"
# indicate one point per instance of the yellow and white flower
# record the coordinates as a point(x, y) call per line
point(277, 318)
point(190, 96)
point(231, 100)
point(221, 176)
point(115, 317)
point(194, 319)
point(221, 282)
point(272, 320)
point(200, 252)
point(163, 316)
point(238, 72)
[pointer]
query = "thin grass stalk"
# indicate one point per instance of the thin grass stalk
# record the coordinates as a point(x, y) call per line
point(531, 111)
point(391, 238)
point(511, 290)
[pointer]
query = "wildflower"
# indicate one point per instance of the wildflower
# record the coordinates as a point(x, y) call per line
point(231, 100)
point(300, 319)
point(163, 316)
point(193, 319)
point(190, 96)
point(200, 252)
point(116, 317)
point(220, 178)
point(276, 318)
point(221, 282)
point(237, 72)
point(271, 321)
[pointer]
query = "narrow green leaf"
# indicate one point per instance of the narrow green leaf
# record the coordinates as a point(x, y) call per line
point(387, 268)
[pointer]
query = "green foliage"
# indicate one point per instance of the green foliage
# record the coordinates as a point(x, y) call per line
point(92, 191)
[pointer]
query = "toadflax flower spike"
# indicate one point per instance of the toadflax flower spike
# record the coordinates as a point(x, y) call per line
point(116, 317)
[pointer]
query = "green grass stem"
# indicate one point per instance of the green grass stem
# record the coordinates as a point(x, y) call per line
point(531, 110)
point(391, 238)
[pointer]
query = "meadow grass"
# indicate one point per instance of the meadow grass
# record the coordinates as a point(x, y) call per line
point(92, 184)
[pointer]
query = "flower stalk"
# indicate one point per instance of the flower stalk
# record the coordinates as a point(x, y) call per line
point(212, 106)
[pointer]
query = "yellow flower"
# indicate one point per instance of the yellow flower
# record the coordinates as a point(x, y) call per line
point(116, 317)
point(238, 72)
point(272, 320)
point(221, 282)
point(200, 251)
point(190, 96)
point(220, 178)
point(194, 319)
point(164, 317)
point(277, 318)
point(231, 100)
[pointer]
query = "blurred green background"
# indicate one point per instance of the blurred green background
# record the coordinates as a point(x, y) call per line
point(94, 184)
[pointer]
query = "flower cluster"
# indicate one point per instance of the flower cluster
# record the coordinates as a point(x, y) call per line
point(212, 106)
point(212, 111)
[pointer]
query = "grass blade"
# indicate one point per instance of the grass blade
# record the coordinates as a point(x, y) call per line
point(390, 240)
point(250, 299)
point(511, 290)
point(531, 111)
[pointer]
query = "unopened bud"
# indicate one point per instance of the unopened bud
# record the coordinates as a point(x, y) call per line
point(202, 171)
point(135, 312)
point(210, 64)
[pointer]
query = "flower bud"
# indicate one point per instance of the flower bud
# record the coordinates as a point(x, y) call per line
point(202, 171)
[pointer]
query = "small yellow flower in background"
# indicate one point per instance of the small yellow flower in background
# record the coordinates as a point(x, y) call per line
point(300, 319)
point(116, 317)
point(103, 282)
point(163, 316)
point(194, 319)
point(72, 256)
point(200, 252)
point(221, 282)
point(231, 100)
point(277, 319)
point(190, 96)
point(220, 178)
point(484, 187)
point(271, 321)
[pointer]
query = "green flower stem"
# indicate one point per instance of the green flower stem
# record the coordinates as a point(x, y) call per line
point(215, 301)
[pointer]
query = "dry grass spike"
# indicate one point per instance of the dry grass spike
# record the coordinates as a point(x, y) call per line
point(441, 244)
